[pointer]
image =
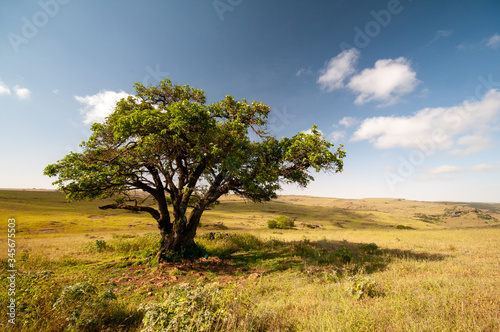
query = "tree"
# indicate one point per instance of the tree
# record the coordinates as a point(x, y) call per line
point(167, 142)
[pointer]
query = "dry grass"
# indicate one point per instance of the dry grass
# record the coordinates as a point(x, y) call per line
point(442, 275)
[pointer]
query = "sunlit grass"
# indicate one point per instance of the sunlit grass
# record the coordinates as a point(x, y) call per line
point(434, 277)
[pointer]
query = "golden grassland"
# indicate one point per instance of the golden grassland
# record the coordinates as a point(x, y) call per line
point(347, 265)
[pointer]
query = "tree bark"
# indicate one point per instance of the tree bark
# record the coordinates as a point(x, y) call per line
point(180, 237)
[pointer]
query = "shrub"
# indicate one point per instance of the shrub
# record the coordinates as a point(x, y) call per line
point(370, 248)
point(361, 287)
point(272, 223)
point(218, 244)
point(281, 222)
point(186, 308)
point(403, 227)
point(97, 245)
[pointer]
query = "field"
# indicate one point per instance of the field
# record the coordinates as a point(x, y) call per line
point(346, 265)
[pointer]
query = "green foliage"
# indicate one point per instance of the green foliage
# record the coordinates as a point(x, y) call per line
point(370, 248)
point(272, 223)
point(485, 216)
point(361, 286)
point(219, 244)
point(166, 139)
point(344, 254)
point(404, 227)
point(187, 308)
point(281, 222)
point(97, 245)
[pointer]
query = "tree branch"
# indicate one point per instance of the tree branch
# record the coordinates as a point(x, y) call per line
point(139, 208)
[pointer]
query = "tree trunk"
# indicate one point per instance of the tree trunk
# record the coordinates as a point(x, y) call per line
point(180, 238)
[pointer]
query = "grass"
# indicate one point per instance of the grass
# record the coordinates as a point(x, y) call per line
point(358, 271)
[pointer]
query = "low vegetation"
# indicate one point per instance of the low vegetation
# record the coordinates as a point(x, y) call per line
point(368, 274)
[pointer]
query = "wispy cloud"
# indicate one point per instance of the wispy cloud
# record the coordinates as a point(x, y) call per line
point(445, 169)
point(493, 41)
point(338, 69)
point(97, 107)
point(441, 34)
point(449, 169)
point(441, 128)
point(348, 121)
point(387, 82)
point(303, 71)
point(4, 89)
point(22, 93)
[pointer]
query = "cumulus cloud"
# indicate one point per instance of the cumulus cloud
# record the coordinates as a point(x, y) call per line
point(338, 69)
point(494, 41)
point(4, 89)
point(436, 128)
point(22, 93)
point(97, 107)
point(387, 82)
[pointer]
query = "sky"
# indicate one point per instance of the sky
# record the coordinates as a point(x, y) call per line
point(411, 88)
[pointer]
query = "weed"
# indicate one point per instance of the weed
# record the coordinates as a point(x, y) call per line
point(361, 286)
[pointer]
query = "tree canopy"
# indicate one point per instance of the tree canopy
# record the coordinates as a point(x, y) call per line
point(168, 142)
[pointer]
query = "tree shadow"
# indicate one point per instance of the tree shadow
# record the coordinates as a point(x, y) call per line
point(341, 257)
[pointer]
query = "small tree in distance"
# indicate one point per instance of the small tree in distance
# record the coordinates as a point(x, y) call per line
point(167, 142)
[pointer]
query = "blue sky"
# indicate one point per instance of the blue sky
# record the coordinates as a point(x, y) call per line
point(411, 88)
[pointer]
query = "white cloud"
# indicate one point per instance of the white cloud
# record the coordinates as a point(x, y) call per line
point(494, 41)
point(445, 169)
point(338, 69)
point(483, 167)
point(474, 143)
point(337, 135)
point(97, 107)
point(4, 89)
point(387, 82)
point(433, 129)
point(22, 93)
point(348, 121)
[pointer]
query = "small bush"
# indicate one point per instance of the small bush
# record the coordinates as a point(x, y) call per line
point(186, 308)
point(281, 222)
point(97, 245)
point(218, 244)
point(361, 287)
point(272, 223)
point(370, 248)
point(404, 227)
point(344, 255)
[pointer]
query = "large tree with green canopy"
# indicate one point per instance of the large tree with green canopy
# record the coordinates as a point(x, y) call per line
point(167, 142)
